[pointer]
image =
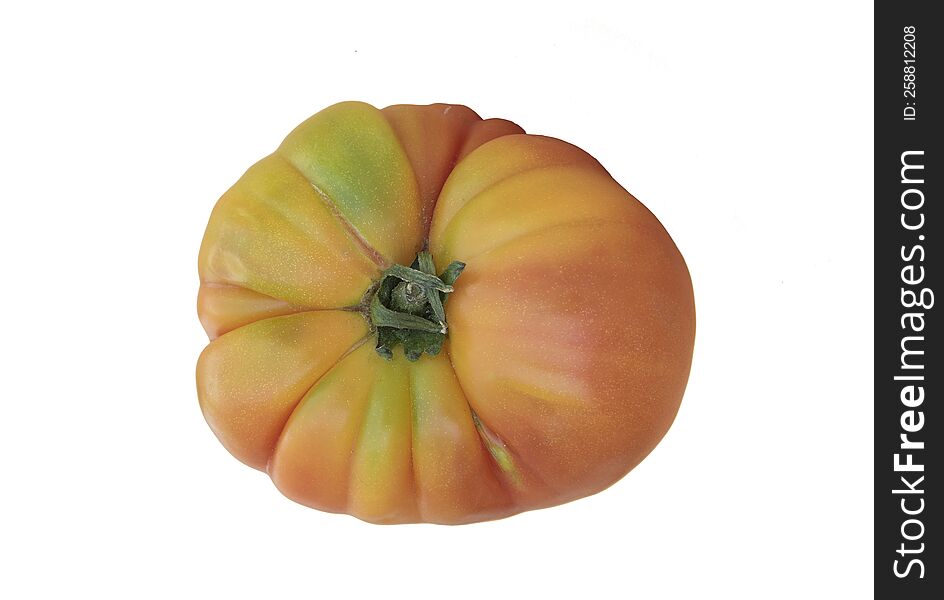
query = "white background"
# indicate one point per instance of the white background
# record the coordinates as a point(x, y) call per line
point(746, 129)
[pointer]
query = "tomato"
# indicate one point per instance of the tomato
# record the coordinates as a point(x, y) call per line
point(418, 315)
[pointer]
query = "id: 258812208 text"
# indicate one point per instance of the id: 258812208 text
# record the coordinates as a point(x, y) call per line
point(910, 77)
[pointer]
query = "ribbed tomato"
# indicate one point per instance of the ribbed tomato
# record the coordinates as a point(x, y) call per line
point(357, 363)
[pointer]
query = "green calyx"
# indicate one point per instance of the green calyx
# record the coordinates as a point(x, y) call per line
point(406, 307)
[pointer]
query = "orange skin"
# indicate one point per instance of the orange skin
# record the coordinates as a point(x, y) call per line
point(570, 332)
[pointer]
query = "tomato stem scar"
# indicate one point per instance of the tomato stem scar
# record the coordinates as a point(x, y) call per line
point(406, 307)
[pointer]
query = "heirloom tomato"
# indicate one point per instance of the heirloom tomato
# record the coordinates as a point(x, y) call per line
point(418, 315)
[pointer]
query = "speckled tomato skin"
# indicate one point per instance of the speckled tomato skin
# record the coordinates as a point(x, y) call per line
point(570, 331)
